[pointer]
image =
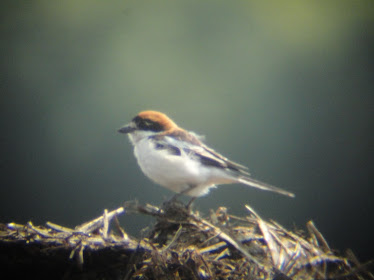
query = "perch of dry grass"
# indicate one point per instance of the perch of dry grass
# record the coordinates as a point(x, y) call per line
point(181, 245)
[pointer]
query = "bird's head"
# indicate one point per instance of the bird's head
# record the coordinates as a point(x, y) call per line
point(147, 123)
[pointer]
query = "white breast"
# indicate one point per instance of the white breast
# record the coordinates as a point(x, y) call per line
point(177, 173)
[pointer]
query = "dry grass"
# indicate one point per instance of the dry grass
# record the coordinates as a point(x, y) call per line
point(181, 245)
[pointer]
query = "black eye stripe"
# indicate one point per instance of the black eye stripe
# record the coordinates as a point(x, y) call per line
point(147, 124)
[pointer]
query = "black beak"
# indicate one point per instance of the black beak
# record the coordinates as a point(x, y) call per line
point(127, 128)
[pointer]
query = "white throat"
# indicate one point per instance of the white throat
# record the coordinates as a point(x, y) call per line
point(139, 135)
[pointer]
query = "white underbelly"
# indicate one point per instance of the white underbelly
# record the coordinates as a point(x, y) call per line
point(177, 173)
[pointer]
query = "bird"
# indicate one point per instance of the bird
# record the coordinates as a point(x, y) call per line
point(180, 161)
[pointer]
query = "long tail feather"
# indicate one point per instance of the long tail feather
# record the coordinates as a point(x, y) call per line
point(263, 186)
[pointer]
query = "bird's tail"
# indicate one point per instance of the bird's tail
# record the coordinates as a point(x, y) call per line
point(263, 186)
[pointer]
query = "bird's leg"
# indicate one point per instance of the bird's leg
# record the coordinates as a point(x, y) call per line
point(188, 206)
point(191, 187)
point(174, 197)
point(172, 202)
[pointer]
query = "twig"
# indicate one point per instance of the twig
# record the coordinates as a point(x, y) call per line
point(273, 248)
point(95, 224)
point(59, 228)
point(105, 224)
point(318, 236)
point(175, 238)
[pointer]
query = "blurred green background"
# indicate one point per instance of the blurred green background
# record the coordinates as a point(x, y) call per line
point(285, 88)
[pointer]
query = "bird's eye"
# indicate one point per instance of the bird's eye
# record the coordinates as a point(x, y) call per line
point(147, 123)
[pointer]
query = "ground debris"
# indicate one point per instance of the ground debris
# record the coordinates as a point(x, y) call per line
point(181, 245)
